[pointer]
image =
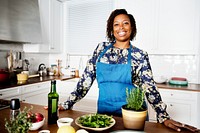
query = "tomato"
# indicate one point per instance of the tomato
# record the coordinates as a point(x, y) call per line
point(39, 117)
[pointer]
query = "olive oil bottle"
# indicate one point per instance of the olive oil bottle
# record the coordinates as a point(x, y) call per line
point(53, 98)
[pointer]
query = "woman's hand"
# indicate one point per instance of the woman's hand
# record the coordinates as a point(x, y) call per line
point(178, 126)
point(60, 108)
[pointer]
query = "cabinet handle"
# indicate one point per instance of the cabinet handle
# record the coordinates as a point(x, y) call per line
point(171, 105)
point(1, 94)
point(171, 94)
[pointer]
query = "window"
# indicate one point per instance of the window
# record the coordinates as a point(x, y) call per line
point(86, 24)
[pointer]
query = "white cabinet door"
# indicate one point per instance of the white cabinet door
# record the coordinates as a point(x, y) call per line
point(165, 26)
point(178, 26)
point(10, 93)
point(182, 105)
point(56, 26)
point(88, 103)
point(145, 17)
point(51, 26)
point(64, 88)
point(45, 15)
point(36, 93)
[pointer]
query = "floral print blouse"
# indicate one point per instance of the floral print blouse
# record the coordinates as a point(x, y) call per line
point(141, 76)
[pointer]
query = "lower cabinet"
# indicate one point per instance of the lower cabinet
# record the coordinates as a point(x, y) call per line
point(36, 93)
point(87, 104)
point(10, 93)
point(182, 106)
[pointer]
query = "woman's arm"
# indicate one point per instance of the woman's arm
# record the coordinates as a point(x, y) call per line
point(154, 98)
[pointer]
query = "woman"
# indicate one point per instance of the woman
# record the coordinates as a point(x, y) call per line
point(118, 64)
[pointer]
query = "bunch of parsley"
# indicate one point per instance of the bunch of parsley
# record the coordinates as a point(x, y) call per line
point(20, 124)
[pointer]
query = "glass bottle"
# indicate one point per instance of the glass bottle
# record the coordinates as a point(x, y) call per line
point(53, 98)
point(14, 108)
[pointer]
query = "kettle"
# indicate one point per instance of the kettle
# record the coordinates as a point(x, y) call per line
point(42, 70)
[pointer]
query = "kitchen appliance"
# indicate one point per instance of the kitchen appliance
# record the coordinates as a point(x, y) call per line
point(20, 21)
point(26, 65)
point(42, 70)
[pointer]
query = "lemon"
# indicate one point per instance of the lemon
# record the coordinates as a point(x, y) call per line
point(66, 129)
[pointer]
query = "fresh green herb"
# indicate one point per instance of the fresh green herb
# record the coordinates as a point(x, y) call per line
point(20, 124)
point(135, 99)
point(95, 120)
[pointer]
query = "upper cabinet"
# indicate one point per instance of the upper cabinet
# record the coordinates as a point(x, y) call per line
point(51, 24)
point(165, 26)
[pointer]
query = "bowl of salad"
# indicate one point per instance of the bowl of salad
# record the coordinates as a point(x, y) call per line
point(95, 122)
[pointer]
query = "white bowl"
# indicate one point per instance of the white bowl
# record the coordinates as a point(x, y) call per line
point(37, 125)
point(160, 79)
point(64, 121)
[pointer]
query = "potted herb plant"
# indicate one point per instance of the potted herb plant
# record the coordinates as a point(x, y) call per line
point(134, 113)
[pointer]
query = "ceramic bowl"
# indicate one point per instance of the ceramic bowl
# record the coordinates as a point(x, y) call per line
point(160, 79)
point(64, 121)
point(37, 125)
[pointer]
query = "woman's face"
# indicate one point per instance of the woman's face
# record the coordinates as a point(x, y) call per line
point(122, 28)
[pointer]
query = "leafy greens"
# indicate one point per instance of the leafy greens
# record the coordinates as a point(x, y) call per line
point(95, 120)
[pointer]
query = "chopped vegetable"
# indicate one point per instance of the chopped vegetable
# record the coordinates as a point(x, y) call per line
point(95, 120)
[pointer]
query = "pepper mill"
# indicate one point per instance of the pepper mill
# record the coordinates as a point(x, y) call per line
point(14, 108)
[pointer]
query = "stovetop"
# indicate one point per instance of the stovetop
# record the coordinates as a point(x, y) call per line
point(4, 104)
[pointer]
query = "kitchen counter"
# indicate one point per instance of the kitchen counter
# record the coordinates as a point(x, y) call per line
point(34, 80)
point(190, 87)
point(150, 127)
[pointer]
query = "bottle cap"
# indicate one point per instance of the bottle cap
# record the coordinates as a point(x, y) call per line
point(14, 104)
point(53, 81)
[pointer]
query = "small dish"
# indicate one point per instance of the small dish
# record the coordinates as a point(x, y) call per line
point(160, 79)
point(37, 125)
point(66, 121)
point(44, 131)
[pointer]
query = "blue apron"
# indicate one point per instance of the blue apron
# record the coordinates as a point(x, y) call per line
point(113, 79)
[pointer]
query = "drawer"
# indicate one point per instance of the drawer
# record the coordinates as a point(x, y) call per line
point(36, 87)
point(10, 93)
point(178, 94)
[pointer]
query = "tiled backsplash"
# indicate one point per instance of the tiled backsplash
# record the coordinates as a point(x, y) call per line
point(162, 65)
point(35, 60)
point(175, 66)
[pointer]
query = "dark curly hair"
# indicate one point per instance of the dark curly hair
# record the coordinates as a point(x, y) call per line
point(110, 21)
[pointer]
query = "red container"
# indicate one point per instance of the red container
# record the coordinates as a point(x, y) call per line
point(179, 78)
point(4, 75)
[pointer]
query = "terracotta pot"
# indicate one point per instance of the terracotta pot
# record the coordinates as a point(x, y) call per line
point(134, 119)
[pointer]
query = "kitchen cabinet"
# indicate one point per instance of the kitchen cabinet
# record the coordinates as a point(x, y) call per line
point(10, 93)
point(165, 26)
point(51, 24)
point(182, 106)
point(87, 104)
point(36, 93)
